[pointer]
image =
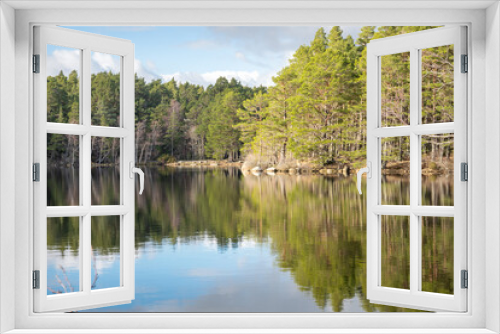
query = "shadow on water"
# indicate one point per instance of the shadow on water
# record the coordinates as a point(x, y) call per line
point(226, 242)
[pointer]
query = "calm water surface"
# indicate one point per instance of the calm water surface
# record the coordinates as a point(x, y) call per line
point(220, 241)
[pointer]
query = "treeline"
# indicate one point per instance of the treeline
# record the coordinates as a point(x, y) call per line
point(316, 110)
point(173, 121)
point(314, 113)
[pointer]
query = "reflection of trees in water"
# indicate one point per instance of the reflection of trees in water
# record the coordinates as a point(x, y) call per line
point(395, 189)
point(395, 243)
point(316, 232)
point(319, 234)
point(437, 258)
point(62, 186)
point(65, 285)
point(436, 190)
point(105, 185)
point(316, 225)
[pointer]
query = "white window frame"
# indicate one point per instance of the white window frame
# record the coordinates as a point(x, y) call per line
point(483, 103)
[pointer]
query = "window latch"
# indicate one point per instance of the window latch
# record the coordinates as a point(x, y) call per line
point(134, 170)
point(368, 171)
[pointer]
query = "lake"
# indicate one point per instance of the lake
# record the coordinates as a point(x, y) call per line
point(216, 240)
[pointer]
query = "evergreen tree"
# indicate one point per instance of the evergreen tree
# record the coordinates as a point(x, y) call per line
point(315, 111)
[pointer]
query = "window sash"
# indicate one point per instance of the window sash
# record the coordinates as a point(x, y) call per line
point(414, 297)
point(86, 297)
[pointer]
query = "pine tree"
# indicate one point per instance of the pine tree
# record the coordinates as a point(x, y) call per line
point(251, 124)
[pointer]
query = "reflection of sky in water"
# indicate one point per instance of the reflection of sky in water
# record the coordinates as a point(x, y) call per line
point(196, 276)
point(62, 266)
point(108, 269)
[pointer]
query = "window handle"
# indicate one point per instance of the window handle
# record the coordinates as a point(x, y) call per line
point(135, 170)
point(368, 171)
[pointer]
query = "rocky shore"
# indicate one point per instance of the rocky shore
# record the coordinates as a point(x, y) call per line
point(394, 168)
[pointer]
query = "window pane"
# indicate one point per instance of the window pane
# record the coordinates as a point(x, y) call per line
point(437, 84)
point(63, 152)
point(105, 171)
point(395, 89)
point(63, 84)
point(105, 252)
point(437, 254)
point(395, 180)
point(395, 235)
point(63, 255)
point(437, 169)
point(105, 89)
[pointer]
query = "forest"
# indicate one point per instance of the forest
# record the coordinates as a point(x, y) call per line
point(314, 114)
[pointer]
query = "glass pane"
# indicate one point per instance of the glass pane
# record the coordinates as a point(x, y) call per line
point(63, 152)
point(437, 84)
point(63, 255)
point(395, 89)
point(105, 171)
point(105, 89)
point(105, 241)
point(395, 180)
point(63, 84)
point(395, 235)
point(437, 254)
point(437, 169)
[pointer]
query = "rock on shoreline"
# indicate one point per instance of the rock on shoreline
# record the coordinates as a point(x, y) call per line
point(394, 168)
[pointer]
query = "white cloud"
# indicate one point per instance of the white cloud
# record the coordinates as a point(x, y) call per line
point(146, 71)
point(247, 78)
point(103, 62)
point(63, 60)
point(67, 60)
point(240, 55)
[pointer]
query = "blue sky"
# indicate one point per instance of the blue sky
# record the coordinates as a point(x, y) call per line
point(201, 54)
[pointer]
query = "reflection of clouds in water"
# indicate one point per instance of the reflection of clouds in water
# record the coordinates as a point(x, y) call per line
point(233, 294)
point(203, 272)
point(69, 259)
point(352, 305)
point(105, 261)
point(241, 263)
point(241, 280)
point(211, 242)
point(147, 250)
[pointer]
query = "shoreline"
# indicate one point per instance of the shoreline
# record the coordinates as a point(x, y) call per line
point(397, 169)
